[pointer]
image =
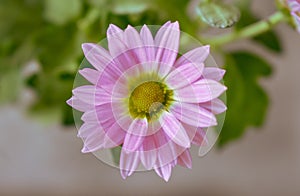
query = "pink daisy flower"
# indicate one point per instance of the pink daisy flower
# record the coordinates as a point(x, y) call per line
point(145, 99)
point(294, 6)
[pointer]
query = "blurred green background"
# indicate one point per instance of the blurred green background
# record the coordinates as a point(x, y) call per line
point(41, 42)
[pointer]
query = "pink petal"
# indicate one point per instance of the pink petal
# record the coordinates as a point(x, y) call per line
point(153, 128)
point(105, 115)
point(168, 153)
point(115, 134)
point(160, 138)
point(201, 91)
point(195, 56)
point(132, 38)
point(184, 75)
point(96, 55)
point(128, 163)
point(193, 114)
point(116, 44)
point(148, 152)
point(167, 42)
point(108, 79)
point(146, 36)
point(148, 42)
point(126, 47)
point(90, 117)
point(79, 105)
point(110, 113)
point(167, 149)
point(92, 95)
point(196, 134)
point(136, 53)
point(216, 106)
point(88, 129)
point(185, 159)
point(85, 93)
point(213, 73)
point(200, 138)
point(135, 134)
point(120, 88)
point(91, 75)
point(92, 136)
point(174, 129)
point(164, 171)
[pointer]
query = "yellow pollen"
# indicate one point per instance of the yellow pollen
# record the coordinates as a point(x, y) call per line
point(146, 96)
point(149, 99)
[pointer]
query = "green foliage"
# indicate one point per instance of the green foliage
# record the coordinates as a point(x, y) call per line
point(116, 154)
point(217, 14)
point(10, 85)
point(268, 39)
point(129, 6)
point(60, 12)
point(51, 32)
point(247, 102)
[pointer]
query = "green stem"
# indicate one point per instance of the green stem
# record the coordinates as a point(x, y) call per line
point(249, 31)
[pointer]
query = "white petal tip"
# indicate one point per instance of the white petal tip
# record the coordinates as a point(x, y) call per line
point(124, 174)
point(85, 150)
point(167, 23)
point(86, 47)
point(69, 101)
point(113, 29)
point(128, 151)
point(83, 71)
point(207, 47)
point(129, 27)
point(74, 91)
point(186, 144)
point(112, 26)
point(189, 166)
point(176, 23)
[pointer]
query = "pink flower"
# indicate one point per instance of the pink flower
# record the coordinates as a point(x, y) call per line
point(294, 6)
point(143, 98)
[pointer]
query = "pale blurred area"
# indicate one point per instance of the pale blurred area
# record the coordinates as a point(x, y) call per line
point(39, 159)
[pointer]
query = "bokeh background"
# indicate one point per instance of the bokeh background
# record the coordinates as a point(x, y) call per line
point(42, 157)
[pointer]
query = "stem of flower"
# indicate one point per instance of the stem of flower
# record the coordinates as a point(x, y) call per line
point(249, 31)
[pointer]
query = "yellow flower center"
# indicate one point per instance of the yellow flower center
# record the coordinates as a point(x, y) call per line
point(149, 99)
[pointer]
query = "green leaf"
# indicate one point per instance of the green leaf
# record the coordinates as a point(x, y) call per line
point(129, 6)
point(52, 91)
point(116, 154)
point(217, 14)
point(247, 101)
point(60, 12)
point(175, 10)
point(10, 85)
point(268, 39)
point(58, 46)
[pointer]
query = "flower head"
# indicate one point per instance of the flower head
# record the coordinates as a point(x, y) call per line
point(294, 7)
point(145, 99)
